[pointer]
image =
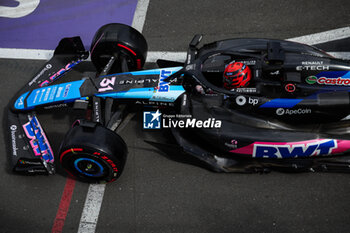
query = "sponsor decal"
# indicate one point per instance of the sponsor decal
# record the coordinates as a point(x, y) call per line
point(13, 129)
point(253, 101)
point(338, 81)
point(108, 83)
point(36, 96)
point(323, 147)
point(109, 65)
point(300, 68)
point(66, 90)
point(314, 63)
point(53, 92)
point(241, 100)
point(249, 62)
point(246, 90)
point(277, 72)
point(245, 62)
point(233, 144)
point(41, 95)
point(153, 120)
point(334, 81)
point(58, 94)
point(97, 111)
point(20, 101)
point(290, 87)
point(311, 80)
point(38, 140)
point(56, 106)
point(22, 161)
point(47, 67)
point(300, 111)
point(147, 102)
point(164, 98)
point(48, 90)
point(162, 85)
point(138, 81)
point(59, 73)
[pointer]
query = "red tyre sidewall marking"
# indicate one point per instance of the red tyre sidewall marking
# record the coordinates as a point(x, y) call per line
point(110, 162)
point(127, 48)
point(69, 150)
point(105, 158)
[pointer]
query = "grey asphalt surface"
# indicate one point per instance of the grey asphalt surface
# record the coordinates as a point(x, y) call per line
point(155, 194)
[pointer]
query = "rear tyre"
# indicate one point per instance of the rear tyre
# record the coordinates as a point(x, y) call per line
point(121, 41)
point(92, 153)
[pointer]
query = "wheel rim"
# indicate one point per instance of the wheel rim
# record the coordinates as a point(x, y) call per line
point(89, 167)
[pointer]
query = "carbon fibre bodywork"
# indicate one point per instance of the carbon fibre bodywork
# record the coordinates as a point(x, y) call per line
point(291, 117)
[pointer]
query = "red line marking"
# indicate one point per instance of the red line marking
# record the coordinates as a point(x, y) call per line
point(64, 206)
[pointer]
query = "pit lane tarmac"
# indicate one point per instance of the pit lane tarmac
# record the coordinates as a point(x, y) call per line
point(156, 194)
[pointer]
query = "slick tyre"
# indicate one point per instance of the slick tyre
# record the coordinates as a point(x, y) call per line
point(118, 40)
point(92, 153)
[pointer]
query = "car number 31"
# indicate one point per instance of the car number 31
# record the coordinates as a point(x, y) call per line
point(106, 84)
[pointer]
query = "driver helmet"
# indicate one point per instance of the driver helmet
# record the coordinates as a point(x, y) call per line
point(236, 74)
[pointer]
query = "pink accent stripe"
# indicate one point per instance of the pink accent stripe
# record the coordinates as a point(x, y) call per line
point(64, 206)
point(92, 50)
point(343, 146)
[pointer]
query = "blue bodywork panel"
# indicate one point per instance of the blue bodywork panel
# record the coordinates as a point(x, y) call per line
point(161, 91)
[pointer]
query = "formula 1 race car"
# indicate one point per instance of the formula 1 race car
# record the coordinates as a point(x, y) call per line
point(291, 117)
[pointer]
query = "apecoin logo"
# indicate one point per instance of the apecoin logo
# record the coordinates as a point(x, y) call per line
point(300, 111)
point(280, 111)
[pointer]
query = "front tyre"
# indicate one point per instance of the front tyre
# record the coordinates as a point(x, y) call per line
point(93, 153)
point(122, 42)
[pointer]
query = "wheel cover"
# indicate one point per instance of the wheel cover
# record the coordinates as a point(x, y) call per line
point(89, 167)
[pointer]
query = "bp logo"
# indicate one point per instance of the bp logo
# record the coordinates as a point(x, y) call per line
point(151, 120)
point(311, 80)
point(241, 100)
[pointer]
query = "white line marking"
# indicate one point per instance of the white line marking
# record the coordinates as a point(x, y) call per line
point(138, 22)
point(94, 197)
point(140, 15)
point(323, 37)
point(153, 56)
point(37, 54)
point(25, 7)
point(317, 38)
point(92, 206)
point(341, 55)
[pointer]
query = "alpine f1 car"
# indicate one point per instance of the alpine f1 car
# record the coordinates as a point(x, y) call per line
point(291, 117)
